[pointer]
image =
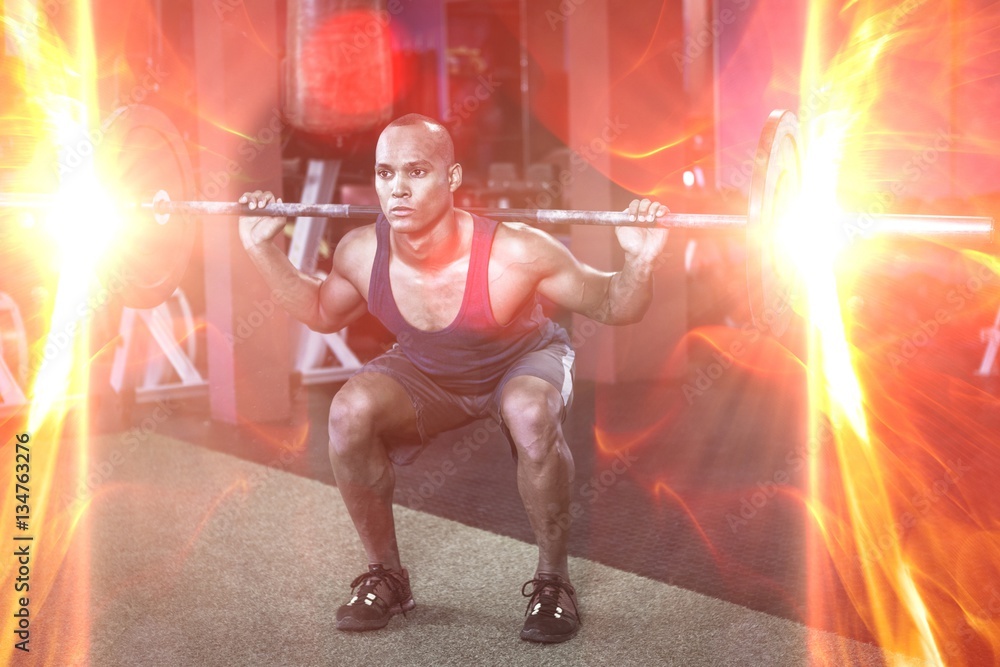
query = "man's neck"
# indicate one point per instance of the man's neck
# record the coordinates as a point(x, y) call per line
point(436, 247)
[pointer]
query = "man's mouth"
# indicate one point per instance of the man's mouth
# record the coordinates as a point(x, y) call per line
point(401, 211)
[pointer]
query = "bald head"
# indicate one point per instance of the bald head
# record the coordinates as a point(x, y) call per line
point(438, 139)
point(415, 172)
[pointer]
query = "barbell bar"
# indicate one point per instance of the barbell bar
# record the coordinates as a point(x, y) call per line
point(941, 227)
point(957, 229)
point(144, 145)
point(770, 290)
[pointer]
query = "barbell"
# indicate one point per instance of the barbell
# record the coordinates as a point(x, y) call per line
point(147, 153)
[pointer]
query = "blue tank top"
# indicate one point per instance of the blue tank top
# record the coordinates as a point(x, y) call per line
point(473, 353)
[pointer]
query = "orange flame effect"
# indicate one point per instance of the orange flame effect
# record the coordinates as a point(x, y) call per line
point(903, 515)
point(899, 497)
point(49, 80)
point(891, 548)
point(56, 82)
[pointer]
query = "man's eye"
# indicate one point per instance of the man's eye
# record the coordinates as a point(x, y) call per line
point(382, 173)
point(418, 172)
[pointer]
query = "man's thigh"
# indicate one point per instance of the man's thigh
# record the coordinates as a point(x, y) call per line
point(553, 366)
point(432, 409)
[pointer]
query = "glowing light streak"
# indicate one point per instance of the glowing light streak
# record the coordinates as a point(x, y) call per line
point(57, 93)
point(904, 589)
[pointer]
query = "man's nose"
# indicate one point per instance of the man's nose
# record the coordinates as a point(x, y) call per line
point(400, 187)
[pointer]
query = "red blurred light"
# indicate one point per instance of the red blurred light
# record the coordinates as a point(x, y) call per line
point(347, 67)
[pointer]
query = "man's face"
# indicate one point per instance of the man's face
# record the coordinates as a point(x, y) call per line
point(412, 177)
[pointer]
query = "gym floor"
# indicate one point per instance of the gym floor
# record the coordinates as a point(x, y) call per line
point(695, 489)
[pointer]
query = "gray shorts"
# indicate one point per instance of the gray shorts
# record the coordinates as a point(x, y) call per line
point(440, 410)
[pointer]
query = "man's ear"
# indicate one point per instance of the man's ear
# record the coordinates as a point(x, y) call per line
point(455, 176)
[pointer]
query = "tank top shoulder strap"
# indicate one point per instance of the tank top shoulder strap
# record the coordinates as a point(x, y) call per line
point(478, 285)
point(380, 301)
point(381, 264)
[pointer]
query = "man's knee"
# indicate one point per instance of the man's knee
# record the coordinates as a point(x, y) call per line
point(533, 420)
point(353, 415)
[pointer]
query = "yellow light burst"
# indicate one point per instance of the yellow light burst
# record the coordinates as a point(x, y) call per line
point(870, 503)
point(55, 104)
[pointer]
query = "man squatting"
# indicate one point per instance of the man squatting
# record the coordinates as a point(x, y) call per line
point(460, 293)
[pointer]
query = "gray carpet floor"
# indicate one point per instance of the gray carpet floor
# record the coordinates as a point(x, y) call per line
point(200, 558)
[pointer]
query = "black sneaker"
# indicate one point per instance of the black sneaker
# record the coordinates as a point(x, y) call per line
point(552, 612)
point(378, 595)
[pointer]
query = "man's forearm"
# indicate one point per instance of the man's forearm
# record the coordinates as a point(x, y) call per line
point(296, 292)
point(630, 291)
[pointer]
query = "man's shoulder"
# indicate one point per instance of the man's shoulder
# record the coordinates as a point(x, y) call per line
point(523, 243)
point(355, 252)
point(359, 240)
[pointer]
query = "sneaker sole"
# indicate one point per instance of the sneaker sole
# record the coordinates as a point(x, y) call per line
point(354, 625)
point(540, 638)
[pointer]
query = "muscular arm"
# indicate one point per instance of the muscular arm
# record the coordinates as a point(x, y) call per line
point(322, 305)
point(611, 298)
